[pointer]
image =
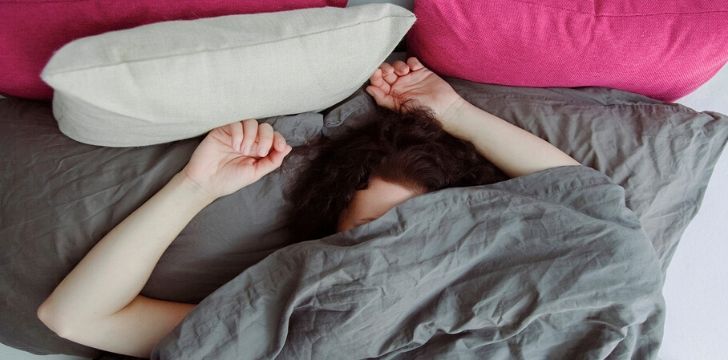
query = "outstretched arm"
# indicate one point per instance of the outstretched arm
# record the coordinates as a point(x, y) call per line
point(515, 151)
point(98, 303)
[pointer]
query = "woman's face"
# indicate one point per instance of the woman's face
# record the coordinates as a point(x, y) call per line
point(372, 202)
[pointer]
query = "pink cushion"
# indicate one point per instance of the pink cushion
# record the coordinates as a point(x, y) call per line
point(31, 30)
point(662, 49)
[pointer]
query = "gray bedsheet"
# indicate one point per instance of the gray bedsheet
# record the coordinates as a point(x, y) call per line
point(552, 265)
point(59, 197)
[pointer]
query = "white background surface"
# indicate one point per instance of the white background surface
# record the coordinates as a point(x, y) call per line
point(696, 286)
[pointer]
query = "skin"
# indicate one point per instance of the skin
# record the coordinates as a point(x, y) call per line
point(99, 304)
point(513, 150)
point(372, 202)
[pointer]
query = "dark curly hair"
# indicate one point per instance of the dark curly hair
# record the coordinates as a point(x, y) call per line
point(410, 149)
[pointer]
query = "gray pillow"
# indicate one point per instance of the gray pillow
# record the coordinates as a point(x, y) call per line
point(60, 197)
point(662, 154)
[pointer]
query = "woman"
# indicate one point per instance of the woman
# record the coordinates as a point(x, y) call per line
point(98, 304)
point(404, 153)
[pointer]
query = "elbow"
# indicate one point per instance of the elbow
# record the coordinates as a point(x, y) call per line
point(53, 320)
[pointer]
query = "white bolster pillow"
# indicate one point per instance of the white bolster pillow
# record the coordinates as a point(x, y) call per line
point(174, 80)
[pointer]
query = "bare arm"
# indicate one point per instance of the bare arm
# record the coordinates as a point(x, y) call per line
point(98, 303)
point(513, 150)
point(88, 306)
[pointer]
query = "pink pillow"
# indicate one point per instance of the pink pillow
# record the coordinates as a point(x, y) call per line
point(30, 31)
point(662, 49)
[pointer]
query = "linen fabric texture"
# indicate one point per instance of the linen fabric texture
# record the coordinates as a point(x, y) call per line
point(30, 31)
point(550, 265)
point(61, 196)
point(662, 154)
point(175, 80)
point(661, 49)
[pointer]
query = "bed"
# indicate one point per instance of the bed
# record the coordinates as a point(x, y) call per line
point(697, 256)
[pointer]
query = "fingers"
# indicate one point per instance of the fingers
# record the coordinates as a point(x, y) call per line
point(279, 143)
point(377, 80)
point(380, 97)
point(250, 132)
point(414, 63)
point(400, 68)
point(257, 140)
point(271, 162)
point(236, 135)
point(388, 73)
point(265, 139)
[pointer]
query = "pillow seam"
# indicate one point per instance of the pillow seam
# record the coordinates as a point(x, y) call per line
point(220, 49)
point(619, 15)
point(546, 101)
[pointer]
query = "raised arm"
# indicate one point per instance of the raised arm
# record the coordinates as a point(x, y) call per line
point(98, 303)
point(515, 151)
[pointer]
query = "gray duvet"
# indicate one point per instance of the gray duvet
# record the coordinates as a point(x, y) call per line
point(552, 265)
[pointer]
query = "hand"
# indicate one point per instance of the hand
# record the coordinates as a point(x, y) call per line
point(235, 155)
point(403, 85)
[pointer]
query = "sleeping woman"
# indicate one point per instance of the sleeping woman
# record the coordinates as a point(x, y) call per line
point(427, 138)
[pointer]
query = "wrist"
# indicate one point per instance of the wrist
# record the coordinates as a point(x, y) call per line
point(192, 189)
point(452, 113)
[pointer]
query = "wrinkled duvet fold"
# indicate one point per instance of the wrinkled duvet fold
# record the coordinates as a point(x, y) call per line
point(548, 265)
